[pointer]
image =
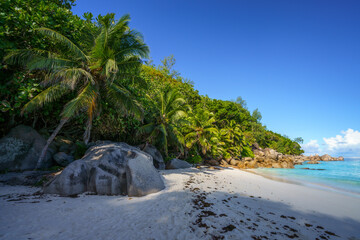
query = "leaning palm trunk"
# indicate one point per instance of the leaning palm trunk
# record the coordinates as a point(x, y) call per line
point(49, 141)
point(88, 131)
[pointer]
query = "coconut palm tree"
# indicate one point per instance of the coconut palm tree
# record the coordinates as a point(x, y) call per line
point(233, 138)
point(169, 110)
point(101, 73)
point(202, 132)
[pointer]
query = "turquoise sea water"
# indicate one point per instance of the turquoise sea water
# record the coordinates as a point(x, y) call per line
point(341, 176)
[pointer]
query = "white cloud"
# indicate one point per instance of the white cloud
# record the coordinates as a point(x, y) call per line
point(311, 147)
point(348, 142)
point(345, 144)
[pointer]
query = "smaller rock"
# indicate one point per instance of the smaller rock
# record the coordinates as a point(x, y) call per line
point(63, 159)
point(284, 165)
point(326, 157)
point(252, 164)
point(320, 169)
point(156, 155)
point(20, 150)
point(247, 159)
point(27, 178)
point(213, 162)
point(276, 165)
point(313, 162)
point(259, 153)
point(234, 162)
point(241, 164)
point(65, 145)
point(177, 163)
point(255, 146)
point(223, 163)
point(142, 178)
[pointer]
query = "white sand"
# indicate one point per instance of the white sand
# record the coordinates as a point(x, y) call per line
point(238, 205)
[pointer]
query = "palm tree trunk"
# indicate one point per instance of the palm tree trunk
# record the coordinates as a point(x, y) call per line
point(87, 133)
point(49, 141)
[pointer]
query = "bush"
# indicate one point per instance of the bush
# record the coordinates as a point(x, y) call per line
point(80, 150)
point(194, 159)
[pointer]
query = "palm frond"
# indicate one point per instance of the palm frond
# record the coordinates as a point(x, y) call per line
point(82, 102)
point(127, 64)
point(65, 41)
point(37, 59)
point(69, 76)
point(176, 114)
point(48, 95)
point(119, 29)
point(146, 129)
point(130, 78)
point(123, 100)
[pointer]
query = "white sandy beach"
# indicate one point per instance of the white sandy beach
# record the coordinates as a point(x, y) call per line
point(196, 204)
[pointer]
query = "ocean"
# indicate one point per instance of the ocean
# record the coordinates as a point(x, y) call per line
point(339, 176)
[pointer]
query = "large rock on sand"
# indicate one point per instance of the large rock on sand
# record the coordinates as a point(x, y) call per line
point(177, 163)
point(109, 169)
point(156, 155)
point(21, 149)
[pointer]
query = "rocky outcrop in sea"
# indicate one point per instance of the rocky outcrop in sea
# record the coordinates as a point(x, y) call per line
point(269, 158)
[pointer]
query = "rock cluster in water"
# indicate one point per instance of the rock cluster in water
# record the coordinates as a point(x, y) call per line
point(269, 158)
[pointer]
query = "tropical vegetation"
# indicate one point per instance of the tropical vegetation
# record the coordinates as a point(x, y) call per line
point(93, 76)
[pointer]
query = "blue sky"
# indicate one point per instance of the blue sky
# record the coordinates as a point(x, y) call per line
point(298, 62)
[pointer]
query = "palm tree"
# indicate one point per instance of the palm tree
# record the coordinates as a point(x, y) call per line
point(233, 138)
point(202, 132)
point(101, 73)
point(169, 109)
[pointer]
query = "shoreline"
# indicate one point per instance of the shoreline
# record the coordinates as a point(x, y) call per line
point(196, 204)
point(303, 182)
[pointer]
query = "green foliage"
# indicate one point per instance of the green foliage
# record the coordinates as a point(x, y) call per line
point(241, 102)
point(232, 128)
point(19, 20)
point(257, 115)
point(23, 88)
point(168, 110)
point(195, 159)
point(247, 152)
point(94, 75)
point(169, 157)
point(202, 134)
point(91, 71)
point(80, 150)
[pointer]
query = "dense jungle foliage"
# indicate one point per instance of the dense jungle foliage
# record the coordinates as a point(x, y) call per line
point(90, 78)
